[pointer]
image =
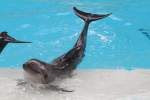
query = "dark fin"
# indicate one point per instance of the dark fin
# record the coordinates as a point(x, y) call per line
point(88, 17)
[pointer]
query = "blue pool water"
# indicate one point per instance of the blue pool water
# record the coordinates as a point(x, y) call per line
point(51, 25)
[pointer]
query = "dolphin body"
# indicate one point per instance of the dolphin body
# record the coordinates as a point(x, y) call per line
point(37, 71)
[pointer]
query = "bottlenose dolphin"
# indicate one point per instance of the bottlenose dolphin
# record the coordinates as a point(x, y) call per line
point(5, 39)
point(37, 71)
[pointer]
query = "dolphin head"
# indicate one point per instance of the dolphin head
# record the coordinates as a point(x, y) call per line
point(35, 72)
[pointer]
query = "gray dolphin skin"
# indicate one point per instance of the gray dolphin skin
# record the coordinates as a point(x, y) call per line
point(41, 72)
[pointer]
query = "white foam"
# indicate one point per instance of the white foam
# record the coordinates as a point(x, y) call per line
point(113, 17)
point(62, 13)
point(87, 85)
point(128, 24)
point(102, 38)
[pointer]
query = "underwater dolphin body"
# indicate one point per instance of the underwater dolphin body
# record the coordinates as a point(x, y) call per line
point(37, 71)
point(5, 39)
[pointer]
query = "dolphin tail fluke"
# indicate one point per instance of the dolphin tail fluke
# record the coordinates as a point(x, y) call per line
point(88, 17)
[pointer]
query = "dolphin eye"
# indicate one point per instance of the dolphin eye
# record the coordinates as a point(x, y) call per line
point(33, 63)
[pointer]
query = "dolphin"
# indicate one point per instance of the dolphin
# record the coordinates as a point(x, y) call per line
point(37, 71)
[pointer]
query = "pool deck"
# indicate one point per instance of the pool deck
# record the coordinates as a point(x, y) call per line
point(87, 85)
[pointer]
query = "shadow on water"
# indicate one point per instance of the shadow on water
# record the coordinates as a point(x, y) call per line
point(40, 87)
point(145, 32)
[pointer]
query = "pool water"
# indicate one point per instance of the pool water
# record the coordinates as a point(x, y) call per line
point(114, 42)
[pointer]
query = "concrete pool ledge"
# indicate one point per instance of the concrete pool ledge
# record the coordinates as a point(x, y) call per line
point(87, 85)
